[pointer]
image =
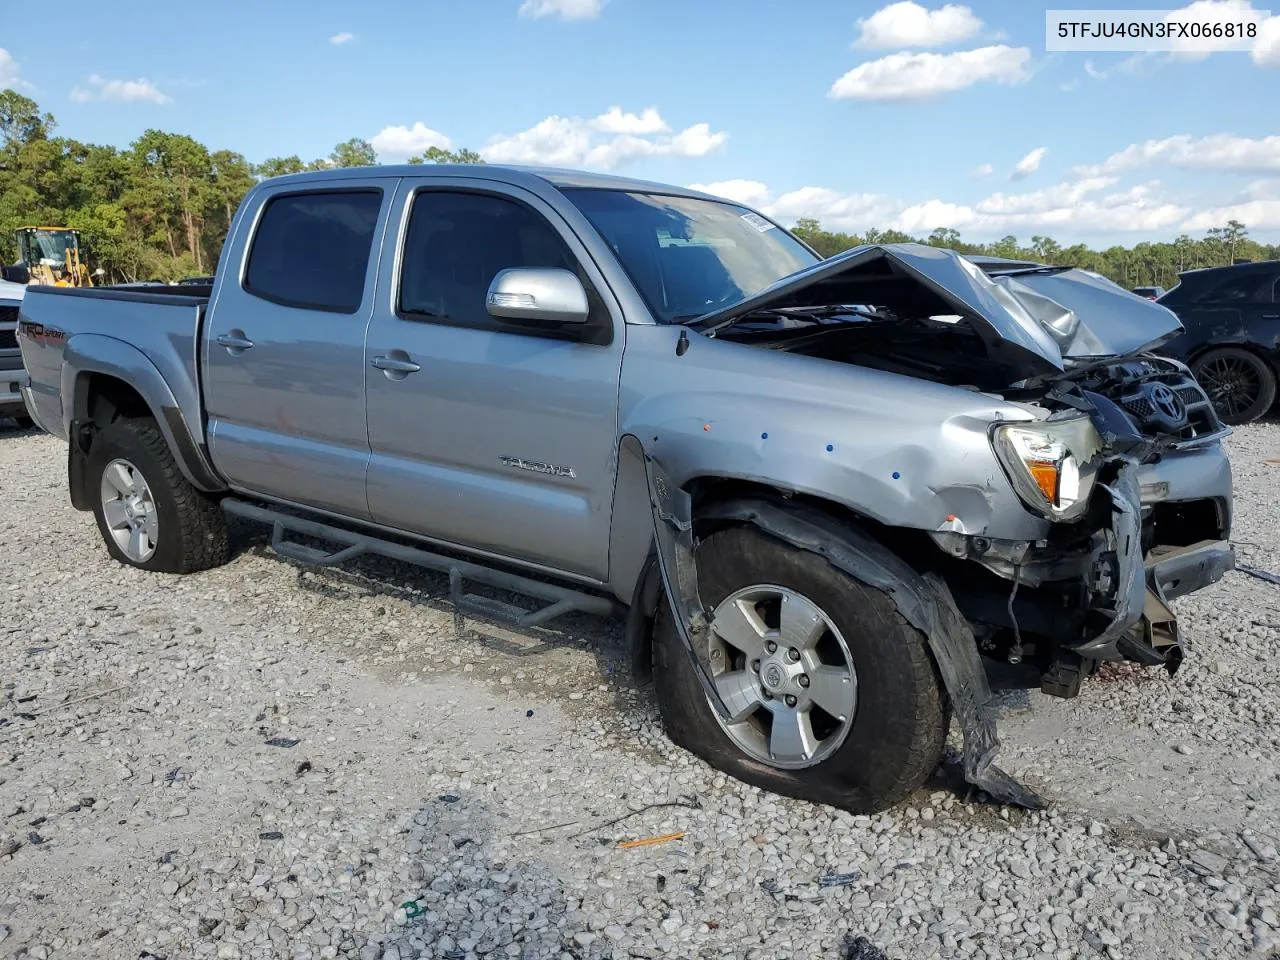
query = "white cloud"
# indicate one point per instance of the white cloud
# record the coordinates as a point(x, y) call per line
point(1256, 214)
point(1071, 209)
point(1072, 84)
point(753, 193)
point(119, 91)
point(8, 70)
point(982, 171)
point(1266, 49)
point(604, 142)
point(1028, 164)
point(338, 39)
point(564, 9)
point(1257, 206)
point(1210, 12)
point(1219, 151)
point(1075, 207)
point(918, 76)
point(401, 142)
point(907, 24)
point(1134, 63)
point(1059, 195)
point(848, 211)
point(614, 120)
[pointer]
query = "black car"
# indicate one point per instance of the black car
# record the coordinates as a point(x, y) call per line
point(1150, 293)
point(1232, 336)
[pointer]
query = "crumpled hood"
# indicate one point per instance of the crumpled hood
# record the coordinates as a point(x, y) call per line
point(1032, 318)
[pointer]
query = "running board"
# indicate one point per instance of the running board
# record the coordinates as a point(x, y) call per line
point(560, 600)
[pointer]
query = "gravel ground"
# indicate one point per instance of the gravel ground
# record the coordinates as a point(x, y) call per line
point(264, 762)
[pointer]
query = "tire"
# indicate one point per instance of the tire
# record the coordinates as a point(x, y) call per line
point(898, 727)
point(1240, 383)
point(185, 530)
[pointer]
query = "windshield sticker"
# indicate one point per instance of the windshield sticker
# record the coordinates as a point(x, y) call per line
point(757, 221)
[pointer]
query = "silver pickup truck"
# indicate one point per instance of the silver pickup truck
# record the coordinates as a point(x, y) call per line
point(823, 490)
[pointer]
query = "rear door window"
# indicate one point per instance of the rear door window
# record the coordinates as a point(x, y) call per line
point(1243, 288)
point(311, 250)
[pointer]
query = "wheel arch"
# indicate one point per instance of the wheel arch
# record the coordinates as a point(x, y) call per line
point(720, 501)
point(924, 600)
point(105, 379)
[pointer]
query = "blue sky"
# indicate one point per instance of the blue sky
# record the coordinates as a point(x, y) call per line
point(906, 115)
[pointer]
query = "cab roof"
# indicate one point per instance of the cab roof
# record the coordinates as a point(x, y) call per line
point(518, 175)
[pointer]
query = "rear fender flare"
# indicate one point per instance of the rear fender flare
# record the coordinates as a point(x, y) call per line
point(87, 354)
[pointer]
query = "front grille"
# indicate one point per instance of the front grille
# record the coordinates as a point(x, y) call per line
point(1200, 420)
point(8, 340)
point(8, 313)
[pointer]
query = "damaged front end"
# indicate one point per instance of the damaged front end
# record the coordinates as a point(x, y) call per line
point(1098, 587)
point(1114, 478)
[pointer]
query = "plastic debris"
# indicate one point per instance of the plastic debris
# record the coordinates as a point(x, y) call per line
point(411, 908)
point(449, 798)
point(271, 835)
point(283, 742)
point(1266, 575)
point(839, 879)
point(860, 948)
point(651, 841)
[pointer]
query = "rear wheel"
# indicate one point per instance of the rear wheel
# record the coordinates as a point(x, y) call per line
point(833, 696)
point(149, 515)
point(1240, 384)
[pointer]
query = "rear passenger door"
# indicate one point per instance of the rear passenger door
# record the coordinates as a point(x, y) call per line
point(283, 352)
point(485, 435)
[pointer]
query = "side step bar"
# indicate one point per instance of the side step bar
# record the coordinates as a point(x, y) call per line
point(560, 600)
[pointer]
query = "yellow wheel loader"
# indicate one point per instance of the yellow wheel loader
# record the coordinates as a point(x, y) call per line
point(49, 256)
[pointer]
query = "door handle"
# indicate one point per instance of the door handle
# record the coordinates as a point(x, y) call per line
point(394, 365)
point(233, 342)
point(1271, 316)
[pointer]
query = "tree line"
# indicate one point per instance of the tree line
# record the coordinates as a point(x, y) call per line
point(1142, 265)
point(160, 208)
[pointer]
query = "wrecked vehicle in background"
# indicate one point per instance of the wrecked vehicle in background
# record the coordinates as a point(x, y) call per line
point(825, 489)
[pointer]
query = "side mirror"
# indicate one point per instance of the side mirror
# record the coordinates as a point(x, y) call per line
point(537, 294)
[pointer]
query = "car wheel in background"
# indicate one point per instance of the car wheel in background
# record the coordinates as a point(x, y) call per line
point(1240, 384)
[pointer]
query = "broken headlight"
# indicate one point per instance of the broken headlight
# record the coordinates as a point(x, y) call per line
point(1052, 464)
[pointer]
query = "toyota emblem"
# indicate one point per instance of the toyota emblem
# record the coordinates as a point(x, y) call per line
point(1167, 402)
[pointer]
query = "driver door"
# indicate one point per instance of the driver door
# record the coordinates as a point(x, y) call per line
point(497, 438)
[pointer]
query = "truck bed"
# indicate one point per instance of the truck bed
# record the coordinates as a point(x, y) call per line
point(129, 327)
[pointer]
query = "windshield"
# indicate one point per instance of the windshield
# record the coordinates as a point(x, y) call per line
point(50, 247)
point(688, 257)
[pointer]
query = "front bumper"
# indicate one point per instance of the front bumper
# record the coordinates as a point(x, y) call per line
point(1141, 626)
point(11, 385)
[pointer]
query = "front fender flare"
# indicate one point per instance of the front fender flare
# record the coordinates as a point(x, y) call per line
point(924, 600)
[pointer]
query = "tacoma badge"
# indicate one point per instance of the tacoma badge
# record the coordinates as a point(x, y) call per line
point(537, 466)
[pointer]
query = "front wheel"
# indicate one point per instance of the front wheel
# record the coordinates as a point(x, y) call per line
point(148, 513)
point(833, 696)
point(1240, 384)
